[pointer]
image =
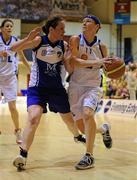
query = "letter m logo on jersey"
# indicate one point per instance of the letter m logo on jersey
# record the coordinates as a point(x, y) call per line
point(51, 69)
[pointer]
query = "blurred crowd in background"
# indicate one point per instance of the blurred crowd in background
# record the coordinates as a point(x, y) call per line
point(31, 10)
point(123, 88)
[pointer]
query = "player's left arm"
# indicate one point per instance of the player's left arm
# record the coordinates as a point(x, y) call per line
point(104, 50)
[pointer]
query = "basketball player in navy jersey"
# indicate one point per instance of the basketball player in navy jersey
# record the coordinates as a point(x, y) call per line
point(45, 86)
point(85, 59)
point(8, 80)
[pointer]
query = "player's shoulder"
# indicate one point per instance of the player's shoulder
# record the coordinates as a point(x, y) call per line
point(15, 38)
point(102, 44)
point(74, 38)
point(103, 49)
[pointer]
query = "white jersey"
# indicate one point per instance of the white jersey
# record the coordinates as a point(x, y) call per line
point(7, 64)
point(88, 76)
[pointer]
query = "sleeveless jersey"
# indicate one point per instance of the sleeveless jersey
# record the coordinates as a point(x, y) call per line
point(88, 76)
point(47, 68)
point(7, 64)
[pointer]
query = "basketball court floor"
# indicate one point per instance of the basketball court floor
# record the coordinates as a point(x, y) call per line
point(54, 153)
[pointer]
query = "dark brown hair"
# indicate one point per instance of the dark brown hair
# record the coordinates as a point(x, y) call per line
point(51, 22)
point(4, 21)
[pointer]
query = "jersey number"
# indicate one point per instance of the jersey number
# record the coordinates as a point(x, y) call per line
point(9, 59)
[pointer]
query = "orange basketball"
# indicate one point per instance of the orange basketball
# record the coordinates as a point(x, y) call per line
point(115, 69)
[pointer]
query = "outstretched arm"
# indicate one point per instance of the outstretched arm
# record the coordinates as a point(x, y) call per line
point(31, 41)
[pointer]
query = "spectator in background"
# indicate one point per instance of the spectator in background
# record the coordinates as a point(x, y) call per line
point(122, 91)
point(26, 10)
point(111, 88)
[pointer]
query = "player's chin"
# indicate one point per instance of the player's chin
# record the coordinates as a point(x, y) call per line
point(9, 32)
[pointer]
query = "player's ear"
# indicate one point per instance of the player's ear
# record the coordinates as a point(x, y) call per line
point(97, 27)
point(51, 29)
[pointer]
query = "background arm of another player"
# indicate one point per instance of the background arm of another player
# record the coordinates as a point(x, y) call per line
point(24, 60)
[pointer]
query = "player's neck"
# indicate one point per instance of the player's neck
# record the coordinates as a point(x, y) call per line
point(52, 39)
point(89, 37)
point(6, 37)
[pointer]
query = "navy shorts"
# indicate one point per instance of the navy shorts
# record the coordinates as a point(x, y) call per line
point(57, 99)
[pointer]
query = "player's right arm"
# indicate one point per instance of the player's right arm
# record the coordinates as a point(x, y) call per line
point(78, 62)
point(31, 41)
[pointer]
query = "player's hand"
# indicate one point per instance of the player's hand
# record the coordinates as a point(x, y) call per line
point(3, 54)
point(35, 32)
point(107, 60)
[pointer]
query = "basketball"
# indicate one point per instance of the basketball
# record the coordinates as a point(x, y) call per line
point(115, 69)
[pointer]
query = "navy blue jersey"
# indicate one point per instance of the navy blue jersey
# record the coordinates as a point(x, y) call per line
point(47, 65)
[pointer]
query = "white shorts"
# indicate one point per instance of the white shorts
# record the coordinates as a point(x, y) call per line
point(8, 86)
point(80, 97)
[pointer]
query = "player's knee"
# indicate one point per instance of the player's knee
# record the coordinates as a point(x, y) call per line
point(88, 113)
point(12, 108)
point(34, 119)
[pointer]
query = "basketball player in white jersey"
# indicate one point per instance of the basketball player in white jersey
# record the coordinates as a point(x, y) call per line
point(85, 89)
point(45, 86)
point(8, 80)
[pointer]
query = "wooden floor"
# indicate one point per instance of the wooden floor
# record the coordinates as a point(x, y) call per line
point(54, 153)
